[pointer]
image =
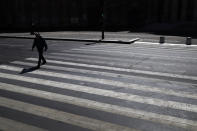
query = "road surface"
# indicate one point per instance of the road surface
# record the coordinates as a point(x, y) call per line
point(98, 86)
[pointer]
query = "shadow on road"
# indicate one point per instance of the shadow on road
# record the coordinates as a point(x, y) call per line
point(28, 70)
point(91, 43)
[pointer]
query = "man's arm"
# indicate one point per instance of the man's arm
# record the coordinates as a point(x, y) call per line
point(45, 44)
point(34, 44)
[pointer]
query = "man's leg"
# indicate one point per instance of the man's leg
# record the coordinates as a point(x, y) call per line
point(43, 60)
point(39, 59)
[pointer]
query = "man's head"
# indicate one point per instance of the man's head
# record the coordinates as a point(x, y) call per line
point(37, 34)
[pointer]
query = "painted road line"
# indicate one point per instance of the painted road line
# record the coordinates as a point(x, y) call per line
point(144, 47)
point(166, 44)
point(129, 55)
point(137, 53)
point(107, 93)
point(64, 117)
point(136, 48)
point(86, 71)
point(128, 112)
point(121, 69)
point(144, 51)
point(105, 81)
point(131, 58)
point(167, 48)
point(77, 70)
point(108, 63)
point(125, 60)
point(103, 73)
point(119, 63)
point(10, 125)
point(90, 56)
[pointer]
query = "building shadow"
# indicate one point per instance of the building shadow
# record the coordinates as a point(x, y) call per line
point(26, 70)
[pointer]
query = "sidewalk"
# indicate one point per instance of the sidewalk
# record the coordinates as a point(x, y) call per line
point(95, 36)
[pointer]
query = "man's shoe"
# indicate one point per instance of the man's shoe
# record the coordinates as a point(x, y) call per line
point(44, 62)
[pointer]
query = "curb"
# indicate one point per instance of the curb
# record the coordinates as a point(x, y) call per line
point(80, 40)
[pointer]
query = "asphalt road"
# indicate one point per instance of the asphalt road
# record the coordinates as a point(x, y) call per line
point(97, 86)
point(96, 35)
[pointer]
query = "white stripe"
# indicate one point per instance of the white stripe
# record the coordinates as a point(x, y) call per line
point(126, 63)
point(181, 49)
point(121, 69)
point(176, 46)
point(129, 55)
point(166, 44)
point(103, 73)
point(11, 125)
point(128, 112)
point(90, 56)
point(152, 51)
point(108, 93)
point(122, 64)
point(179, 54)
point(140, 48)
point(137, 53)
point(125, 60)
point(143, 47)
point(65, 117)
point(73, 69)
point(107, 60)
point(104, 81)
point(85, 71)
point(149, 48)
point(103, 45)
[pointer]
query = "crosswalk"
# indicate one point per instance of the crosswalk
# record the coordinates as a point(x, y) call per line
point(102, 87)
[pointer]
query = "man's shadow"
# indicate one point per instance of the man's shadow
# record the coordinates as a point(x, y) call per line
point(29, 70)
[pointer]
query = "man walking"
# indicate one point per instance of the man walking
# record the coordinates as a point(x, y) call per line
point(40, 44)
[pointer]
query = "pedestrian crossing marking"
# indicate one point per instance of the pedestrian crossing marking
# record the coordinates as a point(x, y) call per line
point(88, 61)
point(127, 61)
point(102, 92)
point(139, 49)
point(147, 45)
point(136, 53)
point(129, 58)
point(114, 75)
point(129, 112)
point(65, 117)
point(113, 56)
point(9, 125)
point(89, 122)
point(105, 81)
point(167, 44)
point(130, 97)
point(120, 69)
point(159, 67)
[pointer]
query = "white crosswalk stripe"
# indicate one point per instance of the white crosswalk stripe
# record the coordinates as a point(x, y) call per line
point(8, 125)
point(124, 96)
point(114, 83)
point(137, 53)
point(102, 106)
point(125, 60)
point(121, 69)
point(61, 116)
point(55, 75)
point(179, 47)
point(140, 48)
point(104, 81)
